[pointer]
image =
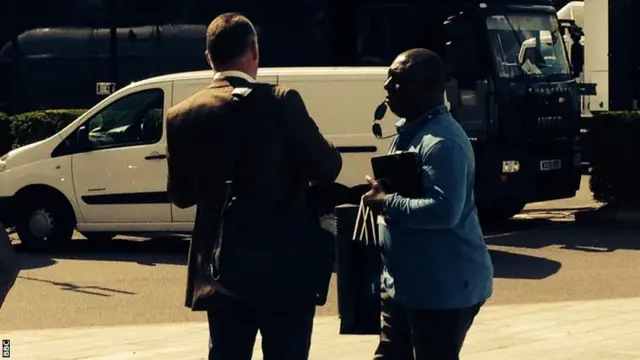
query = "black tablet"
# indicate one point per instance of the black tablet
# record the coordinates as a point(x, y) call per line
point(399, 173)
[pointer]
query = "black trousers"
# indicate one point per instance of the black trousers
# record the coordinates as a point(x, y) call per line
point(233, 327)
point(408, 334)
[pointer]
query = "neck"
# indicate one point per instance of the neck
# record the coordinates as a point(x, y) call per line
point(236, 67)
point(424, 108)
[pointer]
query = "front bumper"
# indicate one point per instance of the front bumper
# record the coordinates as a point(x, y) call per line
point(532, 186)
point(530, 183)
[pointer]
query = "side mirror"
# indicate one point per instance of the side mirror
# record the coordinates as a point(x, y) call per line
point(577, 58)
point(577, 50)
point(83, 139)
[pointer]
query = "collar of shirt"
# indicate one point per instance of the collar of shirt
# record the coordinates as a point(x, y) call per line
point(233, 73)
point(405, 127)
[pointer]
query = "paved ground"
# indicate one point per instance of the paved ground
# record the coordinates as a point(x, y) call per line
point(588, 330)
point(542, 257)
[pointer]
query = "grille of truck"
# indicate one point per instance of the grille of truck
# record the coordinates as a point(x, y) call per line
point(552, 126)
point(551, 115)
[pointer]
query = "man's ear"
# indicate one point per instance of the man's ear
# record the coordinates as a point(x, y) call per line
point(208, 58)
point(255, 51)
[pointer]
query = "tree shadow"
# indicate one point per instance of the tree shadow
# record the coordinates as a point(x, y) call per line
point(89, 290)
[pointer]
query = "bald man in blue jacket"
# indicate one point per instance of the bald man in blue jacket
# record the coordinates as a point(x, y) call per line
point(437, 269)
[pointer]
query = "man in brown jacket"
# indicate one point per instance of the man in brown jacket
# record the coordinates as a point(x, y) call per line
point(284, 153)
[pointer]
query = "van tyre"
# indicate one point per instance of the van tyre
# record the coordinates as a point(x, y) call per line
point(45, 222)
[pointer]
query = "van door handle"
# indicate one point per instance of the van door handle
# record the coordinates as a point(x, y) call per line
point(155, 156)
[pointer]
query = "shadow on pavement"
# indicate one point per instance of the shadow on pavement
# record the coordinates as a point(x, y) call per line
point(167, 250)
point(29, 261)
point(508, 265)
point(514, 226)
point(524, 233)
point(569, 236)
point(89, 290)
point(143, 250)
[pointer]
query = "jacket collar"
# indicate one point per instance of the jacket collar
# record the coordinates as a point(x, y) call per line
point(221, 79)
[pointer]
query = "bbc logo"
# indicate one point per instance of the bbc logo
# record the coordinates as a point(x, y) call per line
point(6, 349)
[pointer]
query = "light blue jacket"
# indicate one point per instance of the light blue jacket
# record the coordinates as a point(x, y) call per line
point(433, 250)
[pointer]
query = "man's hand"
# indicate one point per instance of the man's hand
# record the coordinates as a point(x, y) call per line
point(375, 197)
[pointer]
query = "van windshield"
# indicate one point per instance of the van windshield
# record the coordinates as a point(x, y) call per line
point(527, 45)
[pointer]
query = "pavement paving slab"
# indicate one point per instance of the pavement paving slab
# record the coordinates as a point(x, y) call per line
point(580, 330)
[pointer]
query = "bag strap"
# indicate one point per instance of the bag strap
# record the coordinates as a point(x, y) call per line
point(235, 116)
point(241, 95)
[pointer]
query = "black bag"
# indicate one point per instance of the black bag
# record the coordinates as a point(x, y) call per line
point(358, 273)
point(265, 257)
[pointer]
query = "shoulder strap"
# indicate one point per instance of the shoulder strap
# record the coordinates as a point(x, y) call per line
point(240, 96)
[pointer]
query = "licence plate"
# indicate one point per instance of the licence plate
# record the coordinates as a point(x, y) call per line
point(546, 165)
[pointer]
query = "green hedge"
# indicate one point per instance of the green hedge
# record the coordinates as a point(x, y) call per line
point(26, 128)
point(615, 145)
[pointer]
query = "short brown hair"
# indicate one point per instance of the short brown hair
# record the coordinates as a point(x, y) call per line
point(229, 36)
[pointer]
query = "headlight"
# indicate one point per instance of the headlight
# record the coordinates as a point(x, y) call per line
point(510, 166)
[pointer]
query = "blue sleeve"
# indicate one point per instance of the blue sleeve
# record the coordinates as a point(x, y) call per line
point(444, 177)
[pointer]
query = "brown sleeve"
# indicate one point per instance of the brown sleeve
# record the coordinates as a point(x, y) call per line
point(322, 160)
point(180, 187)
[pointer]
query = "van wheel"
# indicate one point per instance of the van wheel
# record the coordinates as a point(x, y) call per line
point(44, 223)
point(98, 236)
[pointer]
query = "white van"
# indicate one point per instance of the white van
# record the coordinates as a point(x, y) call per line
point(119, 187)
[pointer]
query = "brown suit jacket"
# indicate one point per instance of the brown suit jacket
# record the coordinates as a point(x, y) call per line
point(279, 151)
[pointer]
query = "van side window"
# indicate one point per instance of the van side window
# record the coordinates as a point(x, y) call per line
point(135, 119)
